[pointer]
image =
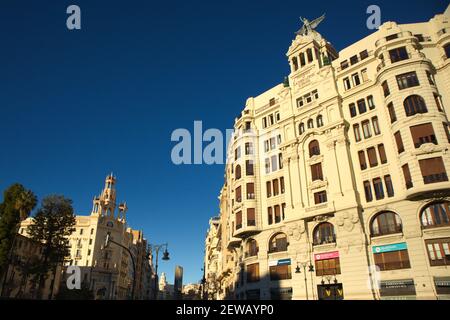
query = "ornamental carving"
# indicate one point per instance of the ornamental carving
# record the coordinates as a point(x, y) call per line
point(427, 148)
point(318, 184)
point(347, 221)
point(296, 230)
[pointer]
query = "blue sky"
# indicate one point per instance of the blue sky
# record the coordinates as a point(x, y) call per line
point(76, 105)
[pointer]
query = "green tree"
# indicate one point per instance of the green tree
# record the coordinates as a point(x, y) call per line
point(17, 205)
point(52, 225)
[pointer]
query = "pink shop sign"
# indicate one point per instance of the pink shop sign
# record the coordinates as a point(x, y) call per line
point(327, 255)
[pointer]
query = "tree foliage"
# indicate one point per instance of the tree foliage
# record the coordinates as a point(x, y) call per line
point(17, 204)
point(52, 225)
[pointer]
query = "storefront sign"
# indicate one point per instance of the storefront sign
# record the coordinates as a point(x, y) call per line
point(392, 288)
point(327, 255)
point(279, 262)
point(390, 247)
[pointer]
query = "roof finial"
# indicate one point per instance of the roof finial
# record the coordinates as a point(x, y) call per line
point(309, 26)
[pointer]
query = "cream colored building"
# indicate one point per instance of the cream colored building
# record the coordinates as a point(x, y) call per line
point(109, 271)
point(336, 183)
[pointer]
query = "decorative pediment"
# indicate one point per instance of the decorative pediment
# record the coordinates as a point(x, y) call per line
point(317, 184)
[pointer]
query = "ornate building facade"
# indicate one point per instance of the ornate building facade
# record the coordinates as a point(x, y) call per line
point(109, 271)
point(336, 183)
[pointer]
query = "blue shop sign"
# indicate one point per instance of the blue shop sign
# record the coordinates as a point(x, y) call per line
point(390, 247)
point(284, 261)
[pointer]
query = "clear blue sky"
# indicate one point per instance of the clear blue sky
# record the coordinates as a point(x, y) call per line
point(76, 105)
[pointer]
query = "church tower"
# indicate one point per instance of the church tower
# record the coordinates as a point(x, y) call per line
point(105, 204)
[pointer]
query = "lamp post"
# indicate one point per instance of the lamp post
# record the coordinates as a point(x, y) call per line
point(310, 269)
point(156, 248)
point(108, 240)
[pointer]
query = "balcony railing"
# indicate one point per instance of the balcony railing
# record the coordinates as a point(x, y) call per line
point(251, 253)
point(438, 177)
point(397, 228)
point(251, 223)
point(324, 240)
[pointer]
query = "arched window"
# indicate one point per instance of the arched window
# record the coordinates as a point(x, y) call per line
point(447, 50)
point(314, 148)
point(386, 222)
point(238, 172)
point(278, 243)
point(319, 121)
point(310, 124)
point(435, 214)
point(301, 128)
point(252, 248)
point(414, 104)
point(324, 233)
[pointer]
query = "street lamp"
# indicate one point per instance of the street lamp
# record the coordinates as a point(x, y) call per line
point(310, 269)
point(108, 240)
point(156, 248)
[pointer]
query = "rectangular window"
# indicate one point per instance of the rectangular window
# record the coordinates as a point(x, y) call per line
point(363, 54)
point(344, 64)
point(237, 153)
point(266, 146)
point(271, 121)
point(282, 184)
point(357, 132)
point(447, 130)
point(352, 109)
point(273, 144)
point(264, 122)
point(277, 214)
point(438, 251)
point(407, 80)
point(238, 220)
point(376, 126)
point(433, 170)
point(238, 194)
point(399, 142)
point(385, 87)
point(430, 78)
point(407, 176)
point(361, 106)
point(347, 84)
point(370, 102)
point(302, 59)
point(251, 217)
point(280, 272)
point(328, 267)
point(437, 99)
point(353, 59)
point(392, 112)
point(248, 148)
point(276, 190)
point(392, 260)
point(253, 272)
point(269, 189)
point(398, 54)
point(368, 191)
point(280, 160)
point(316, 172)
point(250, 190)
point(372, 155)
point(389, 186)
point(267, 165)
point(382, 153)
point(423, 133)
point(270, 215)
point(355, 79)
point(366, 129)
point(274, 162)
point(249, 167)
point(362, 160)
point(320, 197)
point(364, 75)
point(309, 55)
point(378, 188)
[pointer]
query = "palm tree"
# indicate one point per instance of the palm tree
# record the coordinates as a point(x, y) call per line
point(25, 203)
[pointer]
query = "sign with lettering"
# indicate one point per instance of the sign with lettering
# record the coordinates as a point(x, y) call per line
point(327, 255)
point(390, 247)
point(279, 262)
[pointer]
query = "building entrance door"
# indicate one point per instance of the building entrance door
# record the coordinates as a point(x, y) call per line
point(330, 291)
